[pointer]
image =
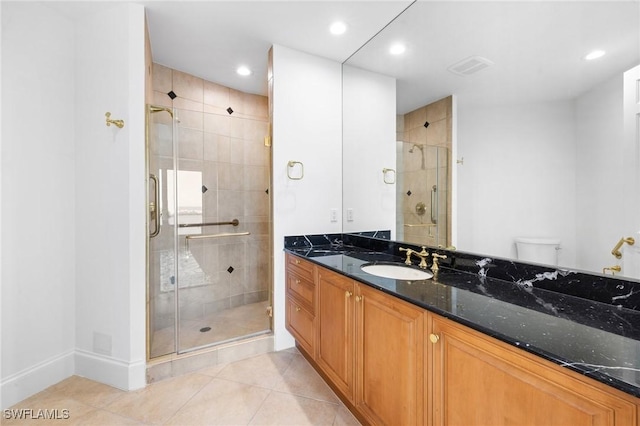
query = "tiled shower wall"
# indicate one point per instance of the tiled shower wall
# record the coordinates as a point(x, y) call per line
point(422, 169)
point(221, 134)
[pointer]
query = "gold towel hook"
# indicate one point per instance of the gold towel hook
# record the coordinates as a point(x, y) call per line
point(117, 123)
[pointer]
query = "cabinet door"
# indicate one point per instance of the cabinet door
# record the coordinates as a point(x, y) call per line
point(335, 339)
point(390, 353)
point(300, 324)
point(478, 380)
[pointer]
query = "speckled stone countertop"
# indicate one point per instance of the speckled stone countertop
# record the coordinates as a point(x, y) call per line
point(584, 322)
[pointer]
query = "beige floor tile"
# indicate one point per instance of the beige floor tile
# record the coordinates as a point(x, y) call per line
point(212, 371)
point(345, 418)
point(67, 409)
point(99, 417)
point(301, 379)
point(286, 409)
point(86, 391)
point(159, 401)
point(221, 402)
point(264, 370)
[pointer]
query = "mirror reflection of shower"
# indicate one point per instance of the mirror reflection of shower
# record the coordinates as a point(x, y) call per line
point(423, 175)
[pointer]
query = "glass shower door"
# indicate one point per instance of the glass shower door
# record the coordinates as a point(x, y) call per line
point(209, 229)
point(161, 286)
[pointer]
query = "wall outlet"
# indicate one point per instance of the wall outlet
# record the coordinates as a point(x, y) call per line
point(333, 214)
point(349, 215)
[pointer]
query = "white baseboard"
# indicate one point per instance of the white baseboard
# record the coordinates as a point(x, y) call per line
point(113, 372)
point(30, 381)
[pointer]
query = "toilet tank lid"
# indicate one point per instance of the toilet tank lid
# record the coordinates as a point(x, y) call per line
point(534, 240)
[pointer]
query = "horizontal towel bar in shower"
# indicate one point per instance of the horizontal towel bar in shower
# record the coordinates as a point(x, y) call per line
point(225, 234)
point(411, 225)
point(234, 222)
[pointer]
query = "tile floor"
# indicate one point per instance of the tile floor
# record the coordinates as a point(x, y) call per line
point(278, 388)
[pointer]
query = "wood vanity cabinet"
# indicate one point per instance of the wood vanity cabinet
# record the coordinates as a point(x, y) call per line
point(300, 301)
point(389, 360)
point(478, 380)
point(335, 330)
point(394, 363)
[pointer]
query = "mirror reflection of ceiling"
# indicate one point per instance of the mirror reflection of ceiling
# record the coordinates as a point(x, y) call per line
point(210, 39)
point(537, 49)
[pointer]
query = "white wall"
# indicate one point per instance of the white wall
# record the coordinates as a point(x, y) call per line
point(307, 127)
point(73, 209)
point(599, 165)
point(369, 145)
point(518, 177)
point(38, 199)
point(110, 197)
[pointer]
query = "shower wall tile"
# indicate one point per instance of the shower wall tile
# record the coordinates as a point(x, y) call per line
point(216, 95)
point(216, 147)
point(161, 99)
point(255, 131)
point(188, 105)
point(438, 110)
point(190, 144)
point(162, 78)
point(231, 177)
point(188, 86)
point(191, 119)
point(255, 154)
point(236, 127)
point(436, 134)
point(256, 203)
point(236, 151)
point(256, 178)
point(415, 119)
point(217, 124)
point(230, 204)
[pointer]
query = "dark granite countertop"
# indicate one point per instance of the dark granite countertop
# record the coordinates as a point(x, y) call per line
point(599, 340)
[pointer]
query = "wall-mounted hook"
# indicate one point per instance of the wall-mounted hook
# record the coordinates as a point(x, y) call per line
point(117, 123)
point(460, 161)
point(290, 166)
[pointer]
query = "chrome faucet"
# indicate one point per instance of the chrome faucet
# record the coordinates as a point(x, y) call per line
point(422, 255)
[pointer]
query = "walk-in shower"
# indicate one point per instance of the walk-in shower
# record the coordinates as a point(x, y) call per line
point(209, 223)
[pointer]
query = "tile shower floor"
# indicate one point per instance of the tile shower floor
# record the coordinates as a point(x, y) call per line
point(227, 324)
point(278, 388)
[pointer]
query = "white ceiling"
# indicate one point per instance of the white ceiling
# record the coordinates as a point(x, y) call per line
point(537, 46)
point(209, 39)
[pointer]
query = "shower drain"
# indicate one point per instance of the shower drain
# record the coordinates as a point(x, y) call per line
point(205, 329)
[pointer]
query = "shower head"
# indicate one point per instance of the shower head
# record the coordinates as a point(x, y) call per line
point(420, 147)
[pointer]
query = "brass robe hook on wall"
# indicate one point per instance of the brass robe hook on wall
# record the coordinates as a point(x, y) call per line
point(117, 123)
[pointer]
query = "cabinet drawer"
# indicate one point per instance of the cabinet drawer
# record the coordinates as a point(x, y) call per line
point(301, 289)
point(300, 267)
point(300, 323)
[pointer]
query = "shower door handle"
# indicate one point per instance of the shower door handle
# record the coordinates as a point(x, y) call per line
point(154, 207)
point(434, 209)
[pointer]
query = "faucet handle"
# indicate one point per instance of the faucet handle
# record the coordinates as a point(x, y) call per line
point(409, 251)
point(424, 251)
point(435, 257)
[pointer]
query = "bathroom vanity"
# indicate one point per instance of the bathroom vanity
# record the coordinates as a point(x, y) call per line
point(483, 342)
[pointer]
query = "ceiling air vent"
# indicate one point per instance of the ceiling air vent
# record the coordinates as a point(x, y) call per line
point(470, 65)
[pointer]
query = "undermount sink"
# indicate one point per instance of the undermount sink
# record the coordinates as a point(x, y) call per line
point(395, 271)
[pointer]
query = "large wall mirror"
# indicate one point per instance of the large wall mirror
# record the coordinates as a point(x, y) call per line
point(505, 127)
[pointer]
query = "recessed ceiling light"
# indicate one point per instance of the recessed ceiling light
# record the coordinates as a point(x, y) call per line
point(243, 70)
point(397, 49)
point(595, 55)
point(338, 28)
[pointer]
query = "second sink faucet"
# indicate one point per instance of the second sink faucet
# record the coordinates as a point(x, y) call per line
point(422, 255)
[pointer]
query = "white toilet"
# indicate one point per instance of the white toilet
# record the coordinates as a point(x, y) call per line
point(538, 250)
